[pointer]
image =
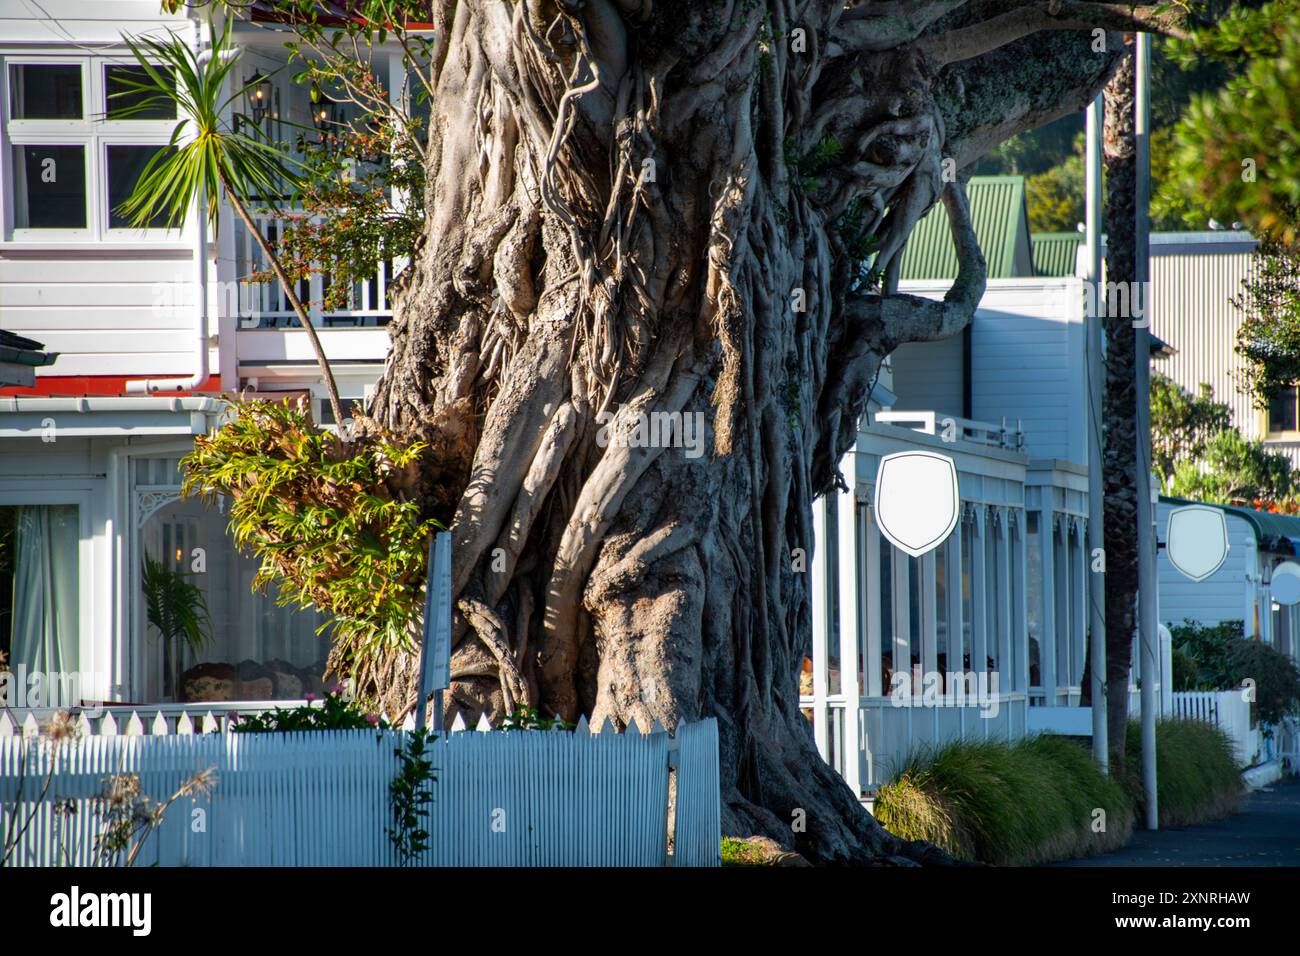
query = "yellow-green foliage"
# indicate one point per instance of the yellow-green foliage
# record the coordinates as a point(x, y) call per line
point(912, 807)
point(1035, 801)
point(331, 522)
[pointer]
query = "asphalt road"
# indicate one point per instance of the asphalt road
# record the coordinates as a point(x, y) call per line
point(1265, 833)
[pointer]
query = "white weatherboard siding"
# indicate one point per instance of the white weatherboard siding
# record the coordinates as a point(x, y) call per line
point(1026, 364)
point(1226, 595)
point(115, 312)
point(929, 375)
point(25, 22)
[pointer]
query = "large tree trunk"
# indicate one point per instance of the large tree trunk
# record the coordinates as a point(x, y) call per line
point(661, 208)
point(1120, 477)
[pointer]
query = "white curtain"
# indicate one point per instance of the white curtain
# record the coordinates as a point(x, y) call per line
point(45, 632)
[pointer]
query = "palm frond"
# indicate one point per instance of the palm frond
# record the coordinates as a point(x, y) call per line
point(205, 154)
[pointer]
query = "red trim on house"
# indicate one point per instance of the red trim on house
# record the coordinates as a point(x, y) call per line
point(78, 386)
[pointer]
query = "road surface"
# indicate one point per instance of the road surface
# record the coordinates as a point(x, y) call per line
point(1265, 833)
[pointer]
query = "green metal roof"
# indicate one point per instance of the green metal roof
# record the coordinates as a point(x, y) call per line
point(998, 213)
point(1055, 253)
point(1279, 534)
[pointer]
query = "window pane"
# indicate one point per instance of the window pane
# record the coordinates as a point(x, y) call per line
point(1034, 563)
point(45, 91)
point(246, 647)
point(39, 628)
point(833, 683)
point(1282, 411)
point(123, 97)
point(125, 164)
point(50, 187)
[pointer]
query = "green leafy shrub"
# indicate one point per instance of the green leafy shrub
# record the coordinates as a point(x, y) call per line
point(1020, 804)
point(1225, 660)
point(336, 712)
point(1196, 772)
point(1185, 670)
point(1208, 645)
point(335, 525)
point(409, 792)
point(1274, 674)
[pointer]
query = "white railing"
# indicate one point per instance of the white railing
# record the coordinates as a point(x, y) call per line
point(264, 305)
point(956, 428)
point(1229, 710)
point(514, 798)
point(893, 732)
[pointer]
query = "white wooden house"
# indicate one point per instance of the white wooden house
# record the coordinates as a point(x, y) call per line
point(150, 326)
point(1000, 606)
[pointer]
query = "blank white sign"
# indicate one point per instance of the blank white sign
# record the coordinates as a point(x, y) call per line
point(917, 500)
point(1196, 541)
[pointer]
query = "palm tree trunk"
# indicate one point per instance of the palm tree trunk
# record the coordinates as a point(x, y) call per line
point(278, 268)
point(1120, 477)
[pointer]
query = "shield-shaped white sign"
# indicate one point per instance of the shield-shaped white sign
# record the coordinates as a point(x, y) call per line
point(917, 501)
point(1286, 583)
point(1197, 540)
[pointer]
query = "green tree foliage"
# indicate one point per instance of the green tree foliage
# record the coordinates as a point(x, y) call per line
point(1239, 148)
point(1055, 197)
point(1235, 469)
point(335, 525)
point(1198, 454)
point(1182, 424)
point(1269, 336)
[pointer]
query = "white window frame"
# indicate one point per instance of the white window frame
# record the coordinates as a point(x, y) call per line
point(94, 133)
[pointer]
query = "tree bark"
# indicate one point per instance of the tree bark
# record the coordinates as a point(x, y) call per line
point(667, 209)
point(1120, 465)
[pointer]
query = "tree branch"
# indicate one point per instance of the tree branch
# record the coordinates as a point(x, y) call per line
point(873, 26)
point(969, 42)
point(911, 318)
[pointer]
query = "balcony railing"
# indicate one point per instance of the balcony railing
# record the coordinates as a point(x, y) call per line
point(964, 429)
point(264, 305)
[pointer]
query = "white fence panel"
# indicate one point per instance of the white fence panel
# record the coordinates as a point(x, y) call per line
point(1228, 710)
point(518, 798)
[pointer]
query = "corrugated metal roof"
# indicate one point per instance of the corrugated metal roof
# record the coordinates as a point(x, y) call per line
point(1055, 253)
point(997, 206)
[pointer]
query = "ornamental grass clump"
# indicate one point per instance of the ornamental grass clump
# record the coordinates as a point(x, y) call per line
point(336, 526)
point(1031, 802)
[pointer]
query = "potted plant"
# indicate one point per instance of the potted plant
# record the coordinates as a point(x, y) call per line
point(178, 610)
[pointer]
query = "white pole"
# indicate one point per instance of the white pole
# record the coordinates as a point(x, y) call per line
point(1145, 502)
point(1096, 372)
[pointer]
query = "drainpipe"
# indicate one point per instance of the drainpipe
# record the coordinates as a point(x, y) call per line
point(152, 386)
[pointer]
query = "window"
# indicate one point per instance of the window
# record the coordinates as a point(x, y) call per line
point(1282, 412)
point(45, 91)
point(123, 101)
point(49, 187)
point(39, 629)
point(80, 137)
point(1034, 564)
point(246, 648)
point(833, 682)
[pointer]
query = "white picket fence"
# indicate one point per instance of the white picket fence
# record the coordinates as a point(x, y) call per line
point(513, 798)
point(1229, 710)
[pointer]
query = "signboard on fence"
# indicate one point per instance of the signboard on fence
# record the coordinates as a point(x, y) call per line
point(435, 650)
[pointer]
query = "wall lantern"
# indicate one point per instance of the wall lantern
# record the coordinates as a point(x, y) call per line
point(259, 97)
point(325, 113)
